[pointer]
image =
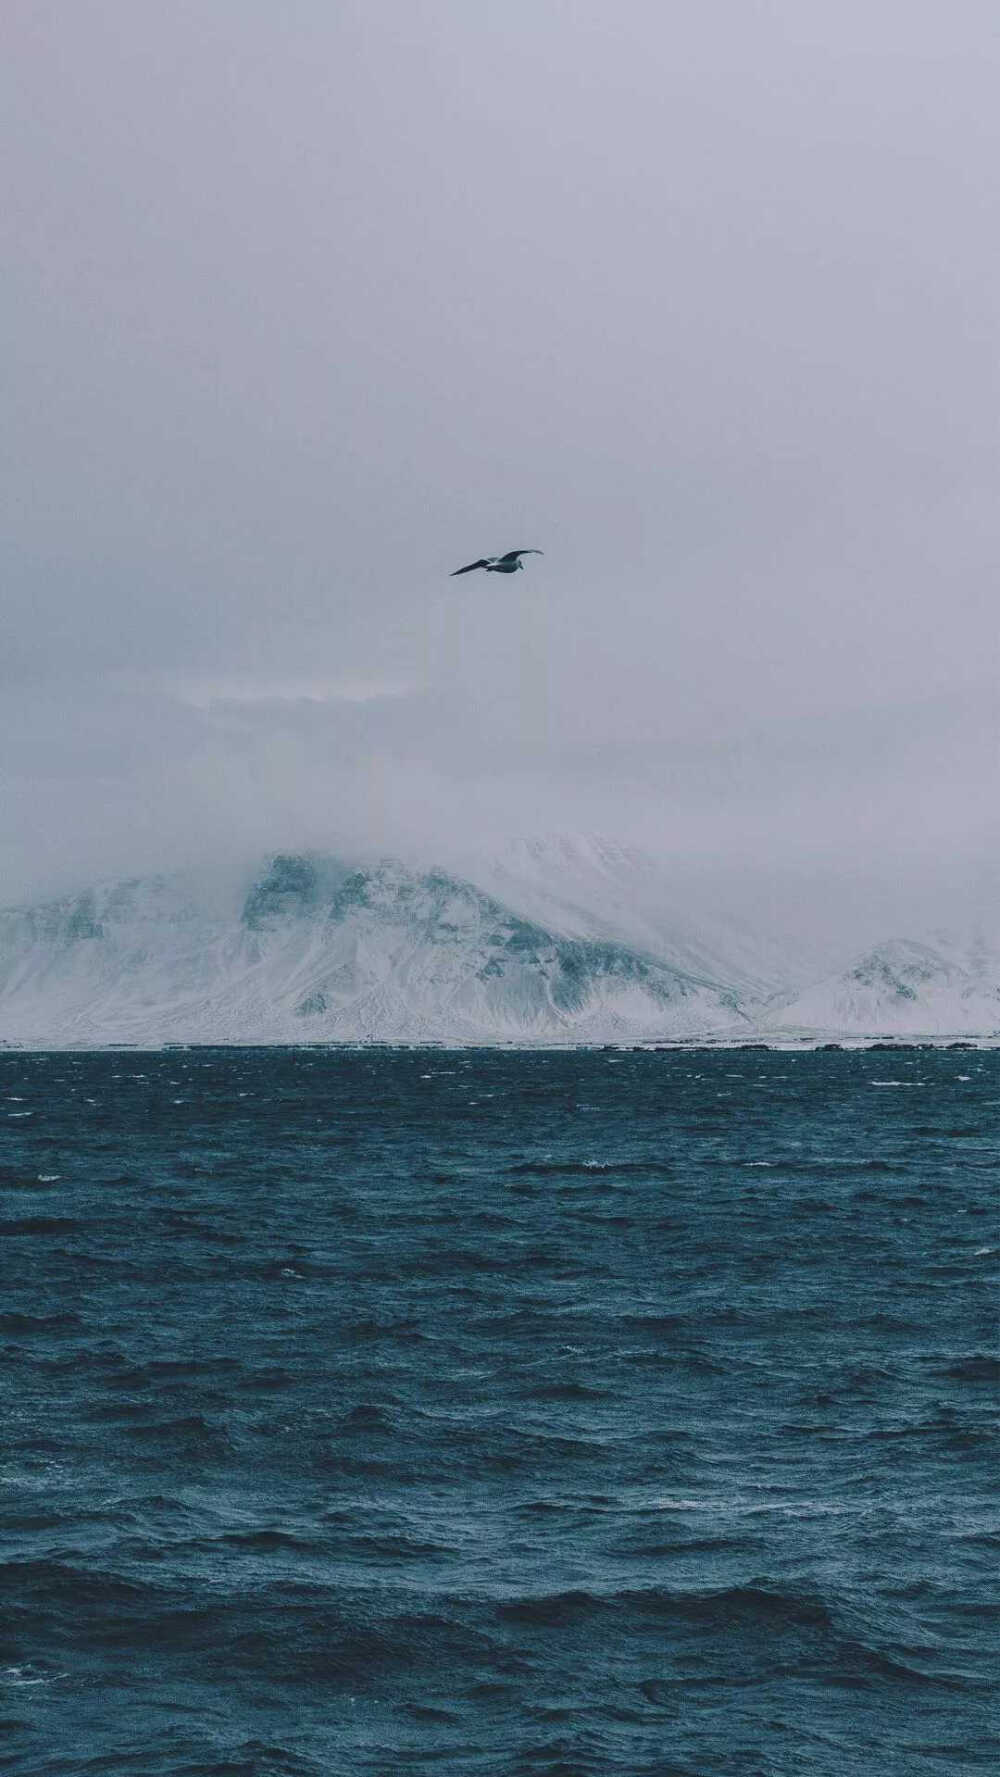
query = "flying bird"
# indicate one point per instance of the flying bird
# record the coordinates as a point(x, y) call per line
point(498, 564)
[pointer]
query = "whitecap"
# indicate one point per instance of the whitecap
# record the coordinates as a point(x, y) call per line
point(20, 1677)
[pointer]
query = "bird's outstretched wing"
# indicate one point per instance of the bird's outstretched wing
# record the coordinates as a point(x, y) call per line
point(481, 563)
point(512, 554)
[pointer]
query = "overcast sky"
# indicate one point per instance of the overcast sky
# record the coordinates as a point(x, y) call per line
point(304, 305)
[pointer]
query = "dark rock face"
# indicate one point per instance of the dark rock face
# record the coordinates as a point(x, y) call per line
point(876, 971)
point(352, 894)
point(83, 921)
point(290, 889)
point(312, 1005)
point(58, 923)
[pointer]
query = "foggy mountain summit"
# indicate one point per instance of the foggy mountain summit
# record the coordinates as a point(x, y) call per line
point(498, 564)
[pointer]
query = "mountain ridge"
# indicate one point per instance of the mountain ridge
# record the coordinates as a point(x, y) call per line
point(572, 944)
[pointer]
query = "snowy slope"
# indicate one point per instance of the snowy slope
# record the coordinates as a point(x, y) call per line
point(318, 951)
point(582, 884)
point(944, 987)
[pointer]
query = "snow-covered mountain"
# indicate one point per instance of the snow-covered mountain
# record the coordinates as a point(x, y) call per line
point(566, 941)
point(903, 988)
point(318, 951)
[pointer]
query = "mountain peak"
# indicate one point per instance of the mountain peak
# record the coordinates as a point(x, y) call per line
point(905, 986)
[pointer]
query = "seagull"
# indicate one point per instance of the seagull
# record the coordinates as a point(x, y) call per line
point(498, 564)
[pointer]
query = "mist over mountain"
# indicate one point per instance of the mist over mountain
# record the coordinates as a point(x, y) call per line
point(570, 941)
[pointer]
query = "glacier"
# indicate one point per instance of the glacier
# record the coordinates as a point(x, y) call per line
point(557, 942)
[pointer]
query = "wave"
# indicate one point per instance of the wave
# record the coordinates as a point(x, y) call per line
point(40, 1324)
point(589, 1168)
point(655, 1323)
point(787, 1632)
point(977, 1367)
point(190, 1432)
point(157, 1372)
point(746, 1604)
point(267, 1542)
point(40, 1225)
point(691, 1545)
point(306, 1631)
point(565, 1391)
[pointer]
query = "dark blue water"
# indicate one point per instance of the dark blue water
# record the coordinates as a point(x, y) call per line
point(496, 1413)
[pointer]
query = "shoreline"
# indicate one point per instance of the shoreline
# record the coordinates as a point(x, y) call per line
point(807, 1045)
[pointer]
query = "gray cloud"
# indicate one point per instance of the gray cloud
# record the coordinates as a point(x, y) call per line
point(303, 309)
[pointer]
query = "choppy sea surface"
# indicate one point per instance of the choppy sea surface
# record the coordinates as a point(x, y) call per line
point(495, 1413)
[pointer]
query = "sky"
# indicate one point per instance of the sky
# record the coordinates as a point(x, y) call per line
point(303, 306)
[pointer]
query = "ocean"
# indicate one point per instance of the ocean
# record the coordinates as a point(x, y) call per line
point(496, 1413)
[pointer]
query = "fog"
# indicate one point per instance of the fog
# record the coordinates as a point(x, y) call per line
point(305, 306)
